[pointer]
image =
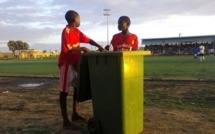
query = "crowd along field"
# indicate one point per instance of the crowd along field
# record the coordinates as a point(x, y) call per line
point(155, 67)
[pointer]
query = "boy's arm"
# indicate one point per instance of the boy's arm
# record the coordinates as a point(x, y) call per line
point(92, 42)
point(67, 48)
point(135, 47)
point(75, 49)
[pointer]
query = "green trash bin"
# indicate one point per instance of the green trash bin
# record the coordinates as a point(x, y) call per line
point(83, 83)
point(117, 86)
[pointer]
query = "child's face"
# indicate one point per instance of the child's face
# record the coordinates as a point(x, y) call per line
point(122, 25)
point(77, 21)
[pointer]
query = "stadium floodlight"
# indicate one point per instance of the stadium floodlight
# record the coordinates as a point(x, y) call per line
point(179, 35)
point(107, 14)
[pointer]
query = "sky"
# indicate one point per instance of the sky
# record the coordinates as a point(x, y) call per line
point(40, 22)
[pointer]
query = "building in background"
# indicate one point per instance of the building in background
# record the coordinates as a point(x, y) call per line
point(179, 45)
point(29, 54)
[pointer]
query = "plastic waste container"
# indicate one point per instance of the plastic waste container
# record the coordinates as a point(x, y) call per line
point(117, 86)
point(83, 83)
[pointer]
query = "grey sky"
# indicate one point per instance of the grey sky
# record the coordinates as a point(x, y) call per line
point(40, 22)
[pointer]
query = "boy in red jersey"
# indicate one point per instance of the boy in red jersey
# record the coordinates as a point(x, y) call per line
point(68, 64)
point(124, 41)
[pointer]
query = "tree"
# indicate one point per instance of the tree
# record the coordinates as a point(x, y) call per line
point(17, 45)
point(12, 46)
point(25, 46)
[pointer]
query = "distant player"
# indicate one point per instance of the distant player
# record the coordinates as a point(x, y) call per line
point(195, 53)
point(124, 41)
point(201, 52)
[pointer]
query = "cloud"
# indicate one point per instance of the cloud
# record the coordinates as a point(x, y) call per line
point(38, 22)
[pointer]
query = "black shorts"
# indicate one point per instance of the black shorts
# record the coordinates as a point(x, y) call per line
point(201, 54)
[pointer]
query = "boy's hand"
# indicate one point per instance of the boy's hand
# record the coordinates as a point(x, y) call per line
point(101, 49)
point(86, 50)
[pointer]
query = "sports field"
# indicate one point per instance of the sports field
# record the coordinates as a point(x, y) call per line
point(155, 67)
point(179, 96)
point(179, 67)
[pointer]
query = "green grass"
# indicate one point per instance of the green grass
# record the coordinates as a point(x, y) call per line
point(44, 67)
point(155, 67)
point(179, 67)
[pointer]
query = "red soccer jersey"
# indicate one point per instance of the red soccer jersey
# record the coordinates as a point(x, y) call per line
point(122, 42)
point(71, 38)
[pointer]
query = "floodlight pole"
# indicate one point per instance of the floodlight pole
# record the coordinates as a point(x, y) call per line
point(213, 45)
point(163, 47)
point(180, 43)
point(107, 14)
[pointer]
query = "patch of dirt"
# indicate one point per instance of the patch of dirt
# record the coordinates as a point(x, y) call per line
point(36, 109)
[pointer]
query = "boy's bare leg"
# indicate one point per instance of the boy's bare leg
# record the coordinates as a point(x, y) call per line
point(63, 105)
point(75, 115)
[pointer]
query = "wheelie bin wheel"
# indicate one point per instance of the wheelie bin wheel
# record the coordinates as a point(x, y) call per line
point(93, 126)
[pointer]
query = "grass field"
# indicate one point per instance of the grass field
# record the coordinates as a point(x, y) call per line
point(179, 67)
point(155, 67)
point(169, 106)
point(44, 67)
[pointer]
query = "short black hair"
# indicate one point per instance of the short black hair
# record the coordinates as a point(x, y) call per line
point(126, 19)
point(70, 16)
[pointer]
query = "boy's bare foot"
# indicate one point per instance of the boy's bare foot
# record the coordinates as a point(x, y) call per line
point(76, 117)
point(70, 126)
